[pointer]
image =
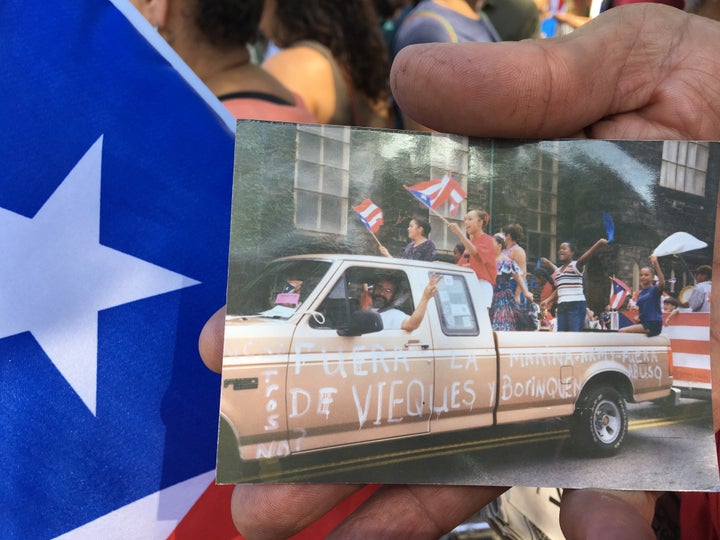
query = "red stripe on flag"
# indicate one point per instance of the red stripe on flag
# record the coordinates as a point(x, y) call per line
point(689, 374)
point(690, 319)
point(688, 346)
point(209, 517)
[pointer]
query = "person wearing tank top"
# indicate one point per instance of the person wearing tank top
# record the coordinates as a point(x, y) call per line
point(442, 21)
point(333, 55)
point(212, 39)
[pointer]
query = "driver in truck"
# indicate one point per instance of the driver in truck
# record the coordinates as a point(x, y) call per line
point(383, 295)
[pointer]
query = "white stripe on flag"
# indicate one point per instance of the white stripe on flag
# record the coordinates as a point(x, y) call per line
point(692, 333)
point(698, 361)
point(154, 516)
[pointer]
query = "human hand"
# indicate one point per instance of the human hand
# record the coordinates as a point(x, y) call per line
point(432, 287)
point(455, 229)
point(365, 297)
point(393, 511)
point(597, 513)
point(384, 251)
point(617, 77)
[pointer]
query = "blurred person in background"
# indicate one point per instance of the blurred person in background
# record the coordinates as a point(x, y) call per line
point(513, 19)
point(333, 55)
point(442, 21)
point(212, 37)
point(699, 300)
point(607, 4)
point(704, 8)
point(391, 14)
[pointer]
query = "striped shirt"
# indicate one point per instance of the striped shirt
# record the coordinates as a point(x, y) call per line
point(569, 281)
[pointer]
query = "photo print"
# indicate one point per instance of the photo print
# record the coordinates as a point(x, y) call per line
point(426, 308)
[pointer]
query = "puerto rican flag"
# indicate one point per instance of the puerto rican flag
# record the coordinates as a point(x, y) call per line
point(689, 335)
point(370, 214)
point(433, 193)
point(114, 227)
point(618, 292)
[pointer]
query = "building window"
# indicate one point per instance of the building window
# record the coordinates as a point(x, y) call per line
point(684, 166)
point(542, 205)
point(322, 178)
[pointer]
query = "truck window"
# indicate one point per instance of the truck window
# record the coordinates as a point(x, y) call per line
point(348, 295)
point(281, 288)
point(455, 308)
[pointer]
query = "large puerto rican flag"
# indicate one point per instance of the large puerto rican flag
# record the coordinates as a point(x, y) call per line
point(689, 335)
point(114, 223)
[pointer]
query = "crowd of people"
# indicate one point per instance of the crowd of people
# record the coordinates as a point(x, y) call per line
point(329, 62)
point(634, 72)
point(500, 264)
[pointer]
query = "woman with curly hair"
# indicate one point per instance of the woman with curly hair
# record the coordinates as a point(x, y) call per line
point(211, 36)
point(333, 55)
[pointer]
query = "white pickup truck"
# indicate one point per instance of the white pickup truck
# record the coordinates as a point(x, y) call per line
point(305, 368)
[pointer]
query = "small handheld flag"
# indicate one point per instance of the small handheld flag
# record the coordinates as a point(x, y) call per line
point(609, 226)
point(433, 193)
point(618, 292)
point(370, 214)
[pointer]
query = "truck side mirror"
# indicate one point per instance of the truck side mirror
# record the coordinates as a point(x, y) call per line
point(362, 322)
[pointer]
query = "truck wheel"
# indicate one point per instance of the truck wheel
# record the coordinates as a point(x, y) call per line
point(600, 422)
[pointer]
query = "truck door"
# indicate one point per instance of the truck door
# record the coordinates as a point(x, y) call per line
point(344, 389)
point(465, 360)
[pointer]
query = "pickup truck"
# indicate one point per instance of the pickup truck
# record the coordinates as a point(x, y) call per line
point(306, 368)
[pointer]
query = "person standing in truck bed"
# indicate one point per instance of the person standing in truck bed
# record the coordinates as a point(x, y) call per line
point(570, 296)
point(479, 251)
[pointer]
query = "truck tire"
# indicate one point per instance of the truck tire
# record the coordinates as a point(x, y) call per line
point(600, 421)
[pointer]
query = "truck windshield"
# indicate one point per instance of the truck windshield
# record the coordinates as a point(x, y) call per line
point(281, 288)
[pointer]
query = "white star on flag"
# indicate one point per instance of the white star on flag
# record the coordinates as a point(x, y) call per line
point(55, 276)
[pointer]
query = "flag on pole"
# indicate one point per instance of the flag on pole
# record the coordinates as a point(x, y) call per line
point(618, 292)
point(433, 193)
point(370, 214)
point(676, 243)
point(609, 226)
point(114, 230)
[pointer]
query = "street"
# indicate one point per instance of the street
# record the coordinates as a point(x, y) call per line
point(663, 450)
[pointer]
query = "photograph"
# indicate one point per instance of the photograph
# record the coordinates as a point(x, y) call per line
point(434, 309)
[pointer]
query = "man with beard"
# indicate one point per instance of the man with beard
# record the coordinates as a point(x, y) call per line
point(384, 294)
